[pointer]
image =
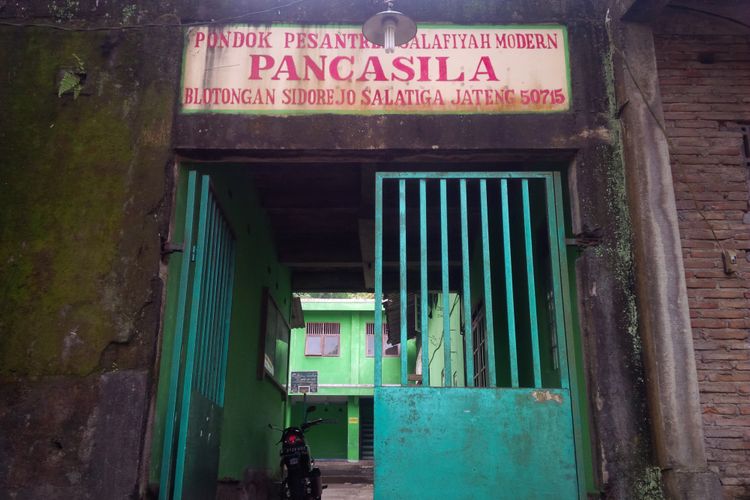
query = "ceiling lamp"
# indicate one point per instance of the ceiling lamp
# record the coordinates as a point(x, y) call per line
point(389, 28)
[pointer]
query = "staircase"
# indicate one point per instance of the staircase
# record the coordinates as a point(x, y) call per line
point(366, 429)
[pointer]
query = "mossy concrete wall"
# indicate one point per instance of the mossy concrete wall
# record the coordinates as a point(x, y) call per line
point(84, 188)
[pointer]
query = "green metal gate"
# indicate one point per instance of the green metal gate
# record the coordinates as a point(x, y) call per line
point(190, 454)
point(510, 430)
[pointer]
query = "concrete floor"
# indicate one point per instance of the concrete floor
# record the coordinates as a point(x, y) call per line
point(348, 491)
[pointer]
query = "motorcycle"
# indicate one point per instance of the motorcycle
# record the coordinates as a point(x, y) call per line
point(301, 479)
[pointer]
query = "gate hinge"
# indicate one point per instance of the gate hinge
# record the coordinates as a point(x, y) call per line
point(167, 248)
point(193, 252)
point(585, 239)
point(582, 242)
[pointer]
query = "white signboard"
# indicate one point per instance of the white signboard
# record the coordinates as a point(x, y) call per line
point(284, 70)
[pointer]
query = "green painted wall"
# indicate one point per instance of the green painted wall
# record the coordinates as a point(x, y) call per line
point(352, 369)
point(327, 440)
point(437, 346)
point(250, 404)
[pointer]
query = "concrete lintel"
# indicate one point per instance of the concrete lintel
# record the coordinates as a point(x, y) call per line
point(672, 382)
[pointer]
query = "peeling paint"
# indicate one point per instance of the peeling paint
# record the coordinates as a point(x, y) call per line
point(544, 396)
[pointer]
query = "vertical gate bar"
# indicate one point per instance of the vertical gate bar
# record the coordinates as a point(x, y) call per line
point(403, 298)
point(227, 322)
point(220, 297)
point(213, 347)
point(466, 299)
point(509, 300)
point(378, 340)
point(209, 306)
point(203, 306)
point(446, 290)
point(531, 285)
point(220, 306)
point(486, 268)
point(221, 320)
point(423, 281)
point(187, 385)
point(552, 228)
point(174, 369)
point(567, 313)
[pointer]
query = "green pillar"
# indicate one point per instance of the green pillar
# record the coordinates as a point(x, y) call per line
point(288, 412)
point(352, 414)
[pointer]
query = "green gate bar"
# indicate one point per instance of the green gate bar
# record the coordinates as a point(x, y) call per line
point(212, 357)
point(423, 281)
point(378, 379)
point(447, 368)
point(221, 344)
point(226, 322)
point(531, 284)
point(509, 302)
point(187, 384)
point(488, 316)
point(221, 334)
point(466, 299)
point(218, 336)
point(402, 298)
point(207, 302)
point(555, 247)
point(570, 363)
point(215, 364)
point(174, 369)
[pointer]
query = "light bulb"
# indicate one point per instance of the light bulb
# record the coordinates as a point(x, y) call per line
point(389, 37)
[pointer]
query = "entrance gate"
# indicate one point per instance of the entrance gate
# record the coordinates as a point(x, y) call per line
point(190, 454)
point(504, 423)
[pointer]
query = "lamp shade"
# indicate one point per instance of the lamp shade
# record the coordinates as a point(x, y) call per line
point(389, 27)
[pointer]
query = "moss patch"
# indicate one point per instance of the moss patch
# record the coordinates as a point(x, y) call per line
point(68, 175)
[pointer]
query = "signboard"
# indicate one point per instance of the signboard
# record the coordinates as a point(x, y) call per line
point(304, 382)
point(289, 69)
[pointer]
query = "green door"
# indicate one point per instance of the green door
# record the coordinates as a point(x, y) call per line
point(505, 426)
point(190, 455)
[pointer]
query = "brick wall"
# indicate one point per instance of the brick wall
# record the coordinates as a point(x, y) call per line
point(705, 86)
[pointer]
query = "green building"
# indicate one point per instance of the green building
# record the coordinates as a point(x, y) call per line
point(337, 344)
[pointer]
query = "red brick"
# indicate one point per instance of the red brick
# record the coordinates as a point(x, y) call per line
point(724, 355)
point(729, 377)
point(701, 103)
point(723, 387)
point(718, 409)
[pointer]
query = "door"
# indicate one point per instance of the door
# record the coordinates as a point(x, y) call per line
point(195, 404)
point(484, 254)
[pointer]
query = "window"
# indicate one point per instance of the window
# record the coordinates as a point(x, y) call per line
point(479, 338)
point(322, 339)
point(389, 350)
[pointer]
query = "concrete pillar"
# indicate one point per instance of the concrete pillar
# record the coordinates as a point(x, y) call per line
point(664, 317)
point(352, 416)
